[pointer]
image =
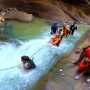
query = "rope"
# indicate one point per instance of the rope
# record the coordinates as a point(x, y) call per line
point(39, 49)
point(8, 68)
point(21, 63)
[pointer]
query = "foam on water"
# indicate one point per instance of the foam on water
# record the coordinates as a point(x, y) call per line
point(17, 79)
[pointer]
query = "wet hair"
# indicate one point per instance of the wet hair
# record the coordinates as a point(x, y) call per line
point(25, 58)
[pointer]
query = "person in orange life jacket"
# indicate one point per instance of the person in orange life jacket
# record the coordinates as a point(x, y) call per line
point(73, 27)
point(54, 28)
point(85, 63)
point(68, 28)
point(82, 55)
point(27, 63)
point(65, 30)
point(84, 68)
point(56, 39)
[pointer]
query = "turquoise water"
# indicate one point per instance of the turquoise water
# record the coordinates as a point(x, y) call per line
point(26, 31)
point(32, 37)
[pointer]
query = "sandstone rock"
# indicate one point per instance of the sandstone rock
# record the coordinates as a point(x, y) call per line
point(61, 10)
point(19, 15)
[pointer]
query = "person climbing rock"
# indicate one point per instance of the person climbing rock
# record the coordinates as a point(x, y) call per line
point(27, 63)
point(54, 28)
point(84, 64)
point(73, 27)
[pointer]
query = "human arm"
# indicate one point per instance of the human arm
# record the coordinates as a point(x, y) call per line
point(75, 28)
point(51, 30)
point(78, 51)
point(26, 66)
point(57, 29)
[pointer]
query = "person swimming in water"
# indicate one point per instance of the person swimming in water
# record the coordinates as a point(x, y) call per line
point(27, 63)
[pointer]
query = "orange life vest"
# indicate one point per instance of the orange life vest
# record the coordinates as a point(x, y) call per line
point(87, 53)
point(65, 31)
point(55, 40)
point(83, 66)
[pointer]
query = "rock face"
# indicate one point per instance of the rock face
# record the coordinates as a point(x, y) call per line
point(61, 10)
point(78, 1)
point(83, 42)
point(19, 15)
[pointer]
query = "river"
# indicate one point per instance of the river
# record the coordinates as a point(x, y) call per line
point(32, 36)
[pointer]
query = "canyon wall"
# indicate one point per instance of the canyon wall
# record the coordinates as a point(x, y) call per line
point(61, 10)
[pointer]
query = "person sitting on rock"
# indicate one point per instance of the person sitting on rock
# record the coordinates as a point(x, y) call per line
point(84, 61)
point(54, 28)
point(84, 64)
point(82, 55)
point(27, 63)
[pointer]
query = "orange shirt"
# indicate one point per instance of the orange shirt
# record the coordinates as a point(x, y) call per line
point(56, 39)
point(65, 30)
point(87, 54)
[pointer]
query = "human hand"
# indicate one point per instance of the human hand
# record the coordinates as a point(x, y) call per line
point(77, 52)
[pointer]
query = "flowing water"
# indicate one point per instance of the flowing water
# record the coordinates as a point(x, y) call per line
point(32, 37)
